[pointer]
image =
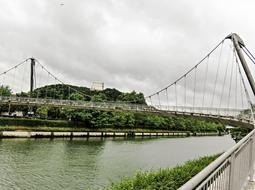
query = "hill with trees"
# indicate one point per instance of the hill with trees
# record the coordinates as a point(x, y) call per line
point(65, 92)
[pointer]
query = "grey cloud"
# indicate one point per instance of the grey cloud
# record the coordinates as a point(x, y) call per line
point(141, 45)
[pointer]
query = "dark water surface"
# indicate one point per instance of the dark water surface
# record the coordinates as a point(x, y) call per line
point(94, 162)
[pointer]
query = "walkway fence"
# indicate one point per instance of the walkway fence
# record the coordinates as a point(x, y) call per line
point(231, 171)
point(222, 113)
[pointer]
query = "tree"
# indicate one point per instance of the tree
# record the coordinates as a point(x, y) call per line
point(111, 94)
point(132, 97)
point(5, 91)
point(42, 112)
point(123, 119)
point(76, 96)
point(99, 98)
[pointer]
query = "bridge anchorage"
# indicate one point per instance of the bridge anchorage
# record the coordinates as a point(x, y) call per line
point(220, 86)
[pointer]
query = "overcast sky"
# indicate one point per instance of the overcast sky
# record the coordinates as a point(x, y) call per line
point(137, 45)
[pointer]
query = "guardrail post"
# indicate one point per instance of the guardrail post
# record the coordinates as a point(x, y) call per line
point(232, 172)
point(252, 172)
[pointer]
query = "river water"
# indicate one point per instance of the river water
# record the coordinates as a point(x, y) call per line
point(52, 164)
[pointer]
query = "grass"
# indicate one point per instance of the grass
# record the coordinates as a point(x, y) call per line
point(170, 178)
point(78, 129)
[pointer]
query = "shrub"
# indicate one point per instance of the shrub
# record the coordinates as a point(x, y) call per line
point(170, 179)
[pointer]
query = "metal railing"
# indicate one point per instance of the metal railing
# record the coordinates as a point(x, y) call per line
point(222, 113)
point(231, 171)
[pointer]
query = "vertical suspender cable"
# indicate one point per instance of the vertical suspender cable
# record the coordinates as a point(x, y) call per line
point(55, 89)
point(159, 104)
point(230, 85)
point(246, 92)
point(47, 85)
point(3, 84)
point(194, 92)
point(236, 68)
point(241, 89)
point(23, 78)
point(150, 100)
point(225, 77)
point(167, 99)
point(176, 103)
point(14, 77)
point(216, 79)
point(185, 92)
point(206, 72)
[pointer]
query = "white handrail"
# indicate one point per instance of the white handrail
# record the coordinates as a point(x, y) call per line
point(229, 172)
point(196, 111)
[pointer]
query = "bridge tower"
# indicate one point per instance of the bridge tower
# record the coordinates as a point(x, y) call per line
point(32, 84)
point(32, 76)
point(238, 44)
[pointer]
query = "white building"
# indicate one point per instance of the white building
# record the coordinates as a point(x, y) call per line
point(98, 86)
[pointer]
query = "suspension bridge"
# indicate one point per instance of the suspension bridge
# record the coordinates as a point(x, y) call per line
point(216, 87)
point(219, 86)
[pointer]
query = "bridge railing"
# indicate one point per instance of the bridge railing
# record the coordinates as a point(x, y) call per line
point(196, 111)
point(231, 171)
point(76, 103)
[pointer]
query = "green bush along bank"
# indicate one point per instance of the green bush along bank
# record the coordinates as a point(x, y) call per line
point(95, 120)
point(171, 178)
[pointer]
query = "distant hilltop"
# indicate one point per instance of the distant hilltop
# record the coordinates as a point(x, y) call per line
point(66, 91)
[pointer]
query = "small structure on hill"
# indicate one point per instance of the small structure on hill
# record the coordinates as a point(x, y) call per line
point(97, 86)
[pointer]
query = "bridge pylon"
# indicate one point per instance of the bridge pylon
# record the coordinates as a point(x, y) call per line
point(32, 76)
point(239, 44)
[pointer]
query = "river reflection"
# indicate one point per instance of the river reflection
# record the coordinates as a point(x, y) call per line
point(82, 163)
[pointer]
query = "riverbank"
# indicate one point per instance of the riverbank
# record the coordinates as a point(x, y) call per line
point(122, 122)
point(170, 178)
point(34, 127)
point(51, 134)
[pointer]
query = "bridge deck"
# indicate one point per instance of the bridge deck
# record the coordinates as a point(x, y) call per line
point(206, 112)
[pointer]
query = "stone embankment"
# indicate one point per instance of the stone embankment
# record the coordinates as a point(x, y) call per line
point(42, 134)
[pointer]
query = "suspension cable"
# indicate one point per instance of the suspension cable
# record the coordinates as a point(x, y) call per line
point(241, 89)
point(190, 69)
point(185, 91)
point(56, 79)
point(194, 93)
point(246, 92)
point(159, 101)
point(23, 79)
point(231, 76)
point(216, 79)
point(225, 77)
point(46, 91)
point(236, 86)
point(176, 100)
point(14, 67)
point(206, 72)
point(3, 84)
point(150, 101)
point(249, 54)
point(14, 76)
point(167, 99)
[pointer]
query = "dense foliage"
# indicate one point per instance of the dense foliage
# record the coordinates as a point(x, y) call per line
point(65, 92)
point(108, 119)
point(17, 122)
point(95, 119)
point(170, 179)
point(237, 133)
point(5, 91)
